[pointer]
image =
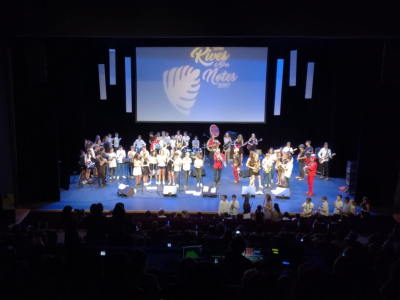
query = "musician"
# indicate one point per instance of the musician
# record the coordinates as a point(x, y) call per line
point(162, 162)
point(178, 134)
point(198, 165)
point(120, 158)
point(179, 143)
point(106, 144)
point(365, 211)
point(144, 152)
point(165, 149)
point(195, 143)
point(223, 206)
point(155, 145)
point(267, 164)
point(236, 164)
point(324, 208)
point(239, 143)
point(272, 159)
point(111, 140)
point(300, 159)
point(279, 170)
point(253, 142)
point(151, 139)
point(83, 162)
point(212, 144)
point(234, 207)
point(253, 163)
point(177, 168)
point(167, 137)
point(97, 138)
point(187, 162)
point(307, 208)
point(112, 158)
point(137, 168)
point(98, 143)
point(288, 149)
point(90, 151)
point(153, 166)
point(288, 169)
point(101, 168)
point(185, 138)
point(309, 150)
point(170, 167)
point(326, 155)
point(218, 159)
point(139, 143)
point(105, 156)
point(312, 169)
point(116, 141)
point(227, 146)
point(145, 168)
point(131, 155)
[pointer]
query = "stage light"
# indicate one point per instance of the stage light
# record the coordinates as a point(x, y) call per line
point(210, 191)
point(278, 87)
point(113, 80)
point(249, 191)
point(310, 79)
point(102, 82)
point(293, 68)
point(128, 85)
point(169, 191)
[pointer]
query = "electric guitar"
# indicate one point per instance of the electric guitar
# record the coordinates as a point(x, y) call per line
point(322, 160)
point(250, 145)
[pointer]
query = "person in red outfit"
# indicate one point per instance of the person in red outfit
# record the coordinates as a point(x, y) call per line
point(236, 164)
point(312, 168)
point(218, 159)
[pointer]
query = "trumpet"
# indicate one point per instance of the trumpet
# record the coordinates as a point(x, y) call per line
point(220, 158)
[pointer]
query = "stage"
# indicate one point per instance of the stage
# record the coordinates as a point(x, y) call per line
point(151, 197)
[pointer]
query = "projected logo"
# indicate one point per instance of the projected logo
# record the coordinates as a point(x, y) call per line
point(181, 85)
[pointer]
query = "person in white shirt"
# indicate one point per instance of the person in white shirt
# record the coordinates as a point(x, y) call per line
point(267, 166)
point(338, 205)
point(153, 166)
point(172, 142)
point(112, 165)
point(198, 165)
point(137, 169)
point(195, 143)
point(326, 155)
point(234, 206)
point(177, 168)
point(166, 151)
point(288, 170)
point(139, 143)
point(116, 140)
point(163, 139)
point(170, 167)
point(223, 206)
point(307, 208)
point(324, 208)
point(178, 134)
point(186, 161)
point(131, 155)
point(144, 152)
point(162, 163)
point(346, 207)
point(167, 138)
point(272, 159)
point(288, 149)
point(186, 139)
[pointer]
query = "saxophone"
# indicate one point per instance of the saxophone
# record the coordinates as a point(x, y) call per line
point(257, 166)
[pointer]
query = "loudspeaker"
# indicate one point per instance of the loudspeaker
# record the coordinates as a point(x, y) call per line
point(126, 192)
point(249, 190)
point(244, 173)
point(169, 191)
point(193, 173)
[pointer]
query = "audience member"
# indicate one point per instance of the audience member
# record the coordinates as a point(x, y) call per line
point(276, 213)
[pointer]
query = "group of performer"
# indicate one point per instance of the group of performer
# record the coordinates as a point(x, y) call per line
point(169, 155)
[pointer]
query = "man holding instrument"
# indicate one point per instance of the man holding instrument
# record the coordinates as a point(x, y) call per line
point(218, 158)
point(212, 144)
point(312, 168)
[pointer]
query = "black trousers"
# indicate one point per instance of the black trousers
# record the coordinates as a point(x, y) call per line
point(211, 154)
point(217, 174)
point(101, 175)
point(301, 168)
point(325, 168)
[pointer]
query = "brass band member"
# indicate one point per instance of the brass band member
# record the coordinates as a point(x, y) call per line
point(239, 143)
point(218, 158)
point(253, 163)
point(236, 164)
point(253, 142)
point(267, 164)
point(198, 165)
point(101, 169)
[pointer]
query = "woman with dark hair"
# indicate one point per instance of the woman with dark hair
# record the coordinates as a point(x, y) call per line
point(239, 143)
point(153, 166)
point(259, 214)
point(267, 206)
point(227, 146)
point(276, 213)
point(137, 168)
point(246, 208)
point(365, 211)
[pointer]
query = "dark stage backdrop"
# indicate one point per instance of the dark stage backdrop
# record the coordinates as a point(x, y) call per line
point(347, 91)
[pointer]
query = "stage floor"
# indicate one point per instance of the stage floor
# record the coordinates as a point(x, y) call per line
point(151, 198)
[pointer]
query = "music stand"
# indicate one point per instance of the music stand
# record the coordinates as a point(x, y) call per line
point(127, 161)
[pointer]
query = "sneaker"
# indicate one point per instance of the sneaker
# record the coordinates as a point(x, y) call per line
point(163, 182)
point(320, 177)
point(201, 185)
point(236, 181)
point(297, 177)
point(326, 179)
point(215, 183)
point(117, 177)
point(198, 184)
point(177, 185)
point(124, 177)
point(186, 186)
point(272, 181)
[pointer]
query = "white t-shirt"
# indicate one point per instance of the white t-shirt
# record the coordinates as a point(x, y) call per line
point(234, 206)
point(187, 161)
point(325, 209)
point(325, 154)
point(172, 143)
point(139, 143)
point(198, 163)
point(308, 207)
point(112, 159)
point(131, 154)
point(186, 140)
point(196, 144)
point(223, 207)
point(161, 160)
point(120, 155)
point(142, 154)
point(177, 163)
point(166, 151)
point(116, 142)
point(289, 168)
point(287, 150)
point(338, 205)
point(152, 159)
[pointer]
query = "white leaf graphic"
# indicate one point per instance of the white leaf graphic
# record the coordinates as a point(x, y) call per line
point(181, 86)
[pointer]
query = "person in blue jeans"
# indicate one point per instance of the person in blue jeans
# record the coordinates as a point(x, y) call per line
point(267, 164)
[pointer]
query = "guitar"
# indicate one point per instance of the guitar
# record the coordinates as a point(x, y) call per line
point(179, 151)
point(226, 146)
point(250, 145)
point(321, 160)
